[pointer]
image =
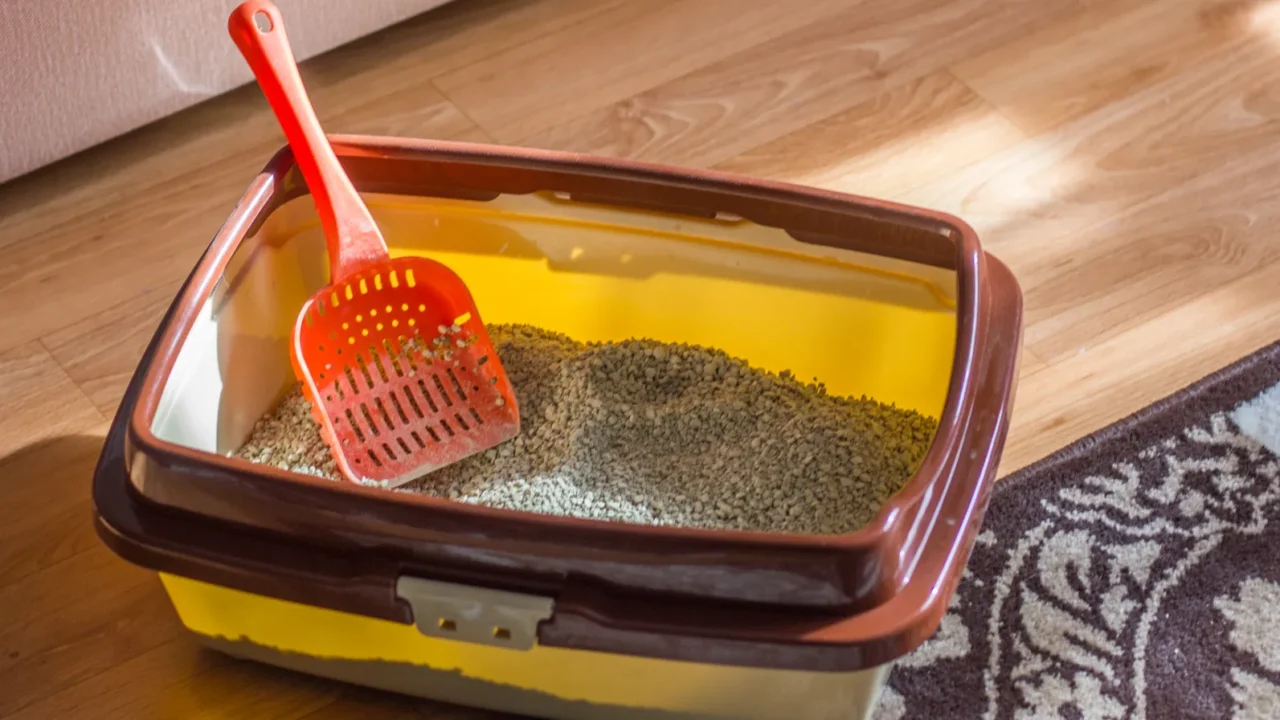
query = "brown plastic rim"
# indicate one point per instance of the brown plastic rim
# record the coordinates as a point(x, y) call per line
point(916, 544)
point(362, 581)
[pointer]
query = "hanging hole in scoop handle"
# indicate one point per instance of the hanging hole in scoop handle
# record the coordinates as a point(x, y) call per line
point(351, 234)
point(262, 21)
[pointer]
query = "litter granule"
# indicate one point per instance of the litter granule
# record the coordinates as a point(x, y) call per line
point(655, 433)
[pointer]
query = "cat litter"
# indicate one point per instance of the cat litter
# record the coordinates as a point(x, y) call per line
point(656, 433)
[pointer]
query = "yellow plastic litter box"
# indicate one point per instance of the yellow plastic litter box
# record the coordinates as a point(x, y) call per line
point(551, 616)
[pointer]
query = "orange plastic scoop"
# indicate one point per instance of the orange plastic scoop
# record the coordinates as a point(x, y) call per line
point(392, 354)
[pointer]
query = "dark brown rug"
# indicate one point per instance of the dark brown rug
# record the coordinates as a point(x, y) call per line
point(1135, 574)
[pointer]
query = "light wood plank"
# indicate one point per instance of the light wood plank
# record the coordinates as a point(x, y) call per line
point(1031, 363)
point(115, 693)
point(140, 220)
point(96, 574)
point(1090, 170)
point(45, 517)
point(1084, 393)
point(454, 36)
point(441, 711)
point(628, 49)
point(887, 145)
point(473, 135)
point(76, 620)
point(356, 702)
point(183, 680)
point(1112, 277)
point(1103, 54)
point(101, 352)
point(784, 85)
point(237, 689)
point(38, 401)
point(1167, 241)
point(1070, 210)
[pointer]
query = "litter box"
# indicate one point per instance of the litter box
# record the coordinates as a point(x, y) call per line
point(551, 616)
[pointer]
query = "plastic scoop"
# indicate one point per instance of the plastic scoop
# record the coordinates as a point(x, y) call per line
point(392, 354)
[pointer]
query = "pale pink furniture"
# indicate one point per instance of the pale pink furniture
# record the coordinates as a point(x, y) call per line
point(73, 74)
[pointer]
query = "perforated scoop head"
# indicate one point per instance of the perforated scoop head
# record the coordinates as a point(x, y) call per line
point(400, 372)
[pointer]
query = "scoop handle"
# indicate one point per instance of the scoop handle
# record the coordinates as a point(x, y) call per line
point(353, 238)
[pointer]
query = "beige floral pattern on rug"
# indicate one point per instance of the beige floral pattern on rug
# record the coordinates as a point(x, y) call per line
point(1101, 595)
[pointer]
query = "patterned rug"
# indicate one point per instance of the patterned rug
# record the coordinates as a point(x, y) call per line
point(1135, 574)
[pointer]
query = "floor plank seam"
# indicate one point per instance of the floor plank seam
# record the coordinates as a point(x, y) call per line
point(101, 417)
point(454, 104)
point(993, 106)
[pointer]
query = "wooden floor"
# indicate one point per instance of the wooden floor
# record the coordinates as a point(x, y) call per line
point(1123, 156)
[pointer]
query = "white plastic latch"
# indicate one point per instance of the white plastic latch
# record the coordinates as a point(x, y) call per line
point(477, 615)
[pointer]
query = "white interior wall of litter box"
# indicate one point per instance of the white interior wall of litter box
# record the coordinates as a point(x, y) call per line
point(189, 403)
point(234, 365)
